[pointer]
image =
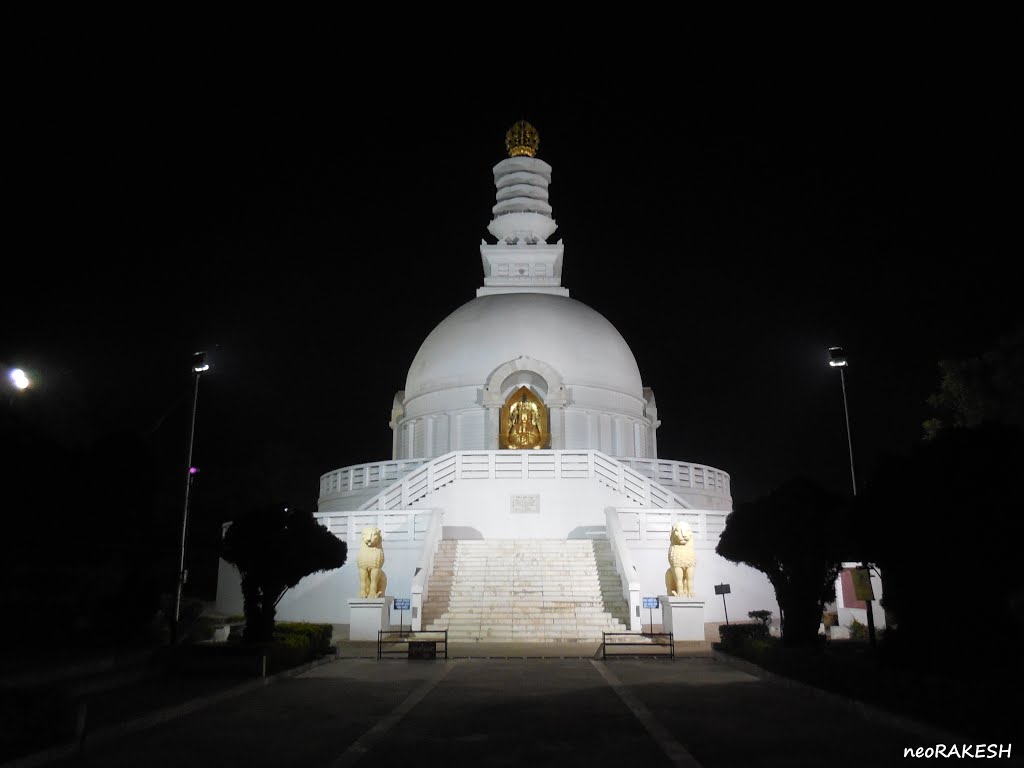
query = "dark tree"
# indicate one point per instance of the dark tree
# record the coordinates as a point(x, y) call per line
point(274, 547)
point(795, 536)
point(949, 535)
point(985, 388)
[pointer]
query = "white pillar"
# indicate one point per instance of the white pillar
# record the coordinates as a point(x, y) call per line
point(556, 418)
point(492, 422)
point(605, 431)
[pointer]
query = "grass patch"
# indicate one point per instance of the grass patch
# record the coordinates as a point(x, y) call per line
point(965, 693)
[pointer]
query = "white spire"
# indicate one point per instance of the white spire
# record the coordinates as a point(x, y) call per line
point(522, 261)
point(522, 212)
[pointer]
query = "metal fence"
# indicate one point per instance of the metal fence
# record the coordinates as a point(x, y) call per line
point(654, 644)
point(425, 644)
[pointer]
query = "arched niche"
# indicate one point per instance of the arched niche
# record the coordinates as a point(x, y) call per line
point(525, 378)
point(537, 374)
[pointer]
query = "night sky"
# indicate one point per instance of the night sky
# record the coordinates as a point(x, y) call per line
point(731, 222)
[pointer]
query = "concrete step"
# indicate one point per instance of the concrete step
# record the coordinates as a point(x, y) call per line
point(525, 590)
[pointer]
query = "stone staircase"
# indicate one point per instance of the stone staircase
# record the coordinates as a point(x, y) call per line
point(536, 590)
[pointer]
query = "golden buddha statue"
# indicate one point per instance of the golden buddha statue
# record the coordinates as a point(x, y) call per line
point(524, 426)
point(524, 423)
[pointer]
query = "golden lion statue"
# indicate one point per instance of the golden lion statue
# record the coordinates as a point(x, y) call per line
point(682, 560)
point(372, 581)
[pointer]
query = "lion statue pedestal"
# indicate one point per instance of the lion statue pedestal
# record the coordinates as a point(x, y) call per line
point(371, 611)
point(681, 614)
point(367, 616)
point(683, 617)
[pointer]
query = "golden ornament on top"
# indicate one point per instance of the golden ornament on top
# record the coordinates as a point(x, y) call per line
point(522, 139)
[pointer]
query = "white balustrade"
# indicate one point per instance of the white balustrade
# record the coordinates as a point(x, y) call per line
point(407, 525)
point(424, 568)
point(680, 474)
point(644, 525)
point(617, 474)
point(358, 477)
point(624, 566)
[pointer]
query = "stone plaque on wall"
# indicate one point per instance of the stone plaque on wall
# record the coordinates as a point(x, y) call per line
point(527, 503)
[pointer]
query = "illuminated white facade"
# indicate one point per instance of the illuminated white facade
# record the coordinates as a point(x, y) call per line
point(592, 472)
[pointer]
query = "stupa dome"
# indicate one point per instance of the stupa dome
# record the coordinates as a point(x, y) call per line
point(481, 335)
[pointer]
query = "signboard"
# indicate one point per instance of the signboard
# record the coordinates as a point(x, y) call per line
point(526, 504)
point(722, 589)
point(650, 602)
point(402, 604)
point(862, 584)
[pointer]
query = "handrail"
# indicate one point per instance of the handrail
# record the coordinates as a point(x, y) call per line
point(682, 474)
point(624, 566)
point(399, 526)
point(643, 525)
point(374, 474)
point(425, 566)
point(563, 464)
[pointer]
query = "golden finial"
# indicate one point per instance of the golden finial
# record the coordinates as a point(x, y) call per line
point(522, 139)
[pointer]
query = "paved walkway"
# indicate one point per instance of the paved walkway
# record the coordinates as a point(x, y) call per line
point(349, 649)
point(695, 711)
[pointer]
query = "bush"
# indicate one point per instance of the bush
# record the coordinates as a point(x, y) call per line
point(293, 641)
point(316, 636)
point(858, 631)
point(293, 644)
point(736, 635)
point(765, 617)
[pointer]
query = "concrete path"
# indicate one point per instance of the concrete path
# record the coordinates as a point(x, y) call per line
point(550, 711)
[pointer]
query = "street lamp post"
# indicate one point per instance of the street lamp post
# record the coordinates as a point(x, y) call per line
point(199, 365)
point(837, 359)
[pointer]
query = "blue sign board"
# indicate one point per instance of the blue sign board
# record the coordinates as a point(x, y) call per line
point(402, 604)
point(650, 602)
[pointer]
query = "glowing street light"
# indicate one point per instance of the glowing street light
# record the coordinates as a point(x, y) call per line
point(837, 359)
point(19, 378)
point(199, 366)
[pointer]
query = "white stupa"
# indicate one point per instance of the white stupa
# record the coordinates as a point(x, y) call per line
point(524, 438)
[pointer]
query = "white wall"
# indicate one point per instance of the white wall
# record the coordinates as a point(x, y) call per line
point(604, 429)
point(751, 590)
point(481, 509)
point(229, 589)
point(323, 597)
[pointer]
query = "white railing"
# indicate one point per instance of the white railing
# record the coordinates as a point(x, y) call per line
point(359, 476)
point(416, 486)
point(424, 568)
point(655, 525)
point(681, 474)
point(407, 525)
point(624, 566)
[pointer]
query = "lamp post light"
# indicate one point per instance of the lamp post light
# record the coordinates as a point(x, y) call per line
point(837, 359)
point(199, 366)
point(19, 379)
point(19, 382)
